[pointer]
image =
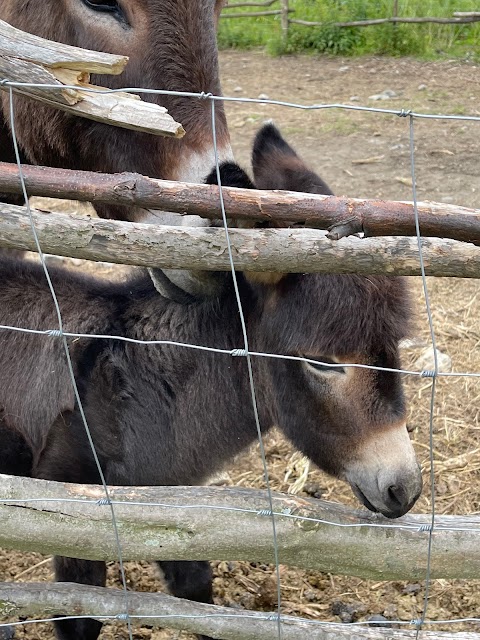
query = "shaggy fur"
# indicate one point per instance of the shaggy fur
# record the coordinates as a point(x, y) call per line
point(171, 45)
point(166, 415)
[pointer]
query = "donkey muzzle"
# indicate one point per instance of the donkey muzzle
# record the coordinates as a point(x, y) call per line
point(386, 476)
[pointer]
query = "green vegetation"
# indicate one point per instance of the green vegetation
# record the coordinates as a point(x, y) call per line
point(426, 40)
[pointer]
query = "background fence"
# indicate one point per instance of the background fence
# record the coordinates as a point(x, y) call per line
point(46, 503)
point(334, 26)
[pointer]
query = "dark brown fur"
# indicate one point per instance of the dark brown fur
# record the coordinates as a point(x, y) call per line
point(174, 415)
point(171, 44)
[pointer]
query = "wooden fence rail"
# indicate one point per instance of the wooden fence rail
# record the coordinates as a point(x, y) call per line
point(341, 216)
point(210, 620)
point(213, 621)
point(228, 523)
point(278, 250)
point(224, 523)
point(458, 17)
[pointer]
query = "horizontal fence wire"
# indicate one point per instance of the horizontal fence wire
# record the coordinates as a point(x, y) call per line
point(243, 351)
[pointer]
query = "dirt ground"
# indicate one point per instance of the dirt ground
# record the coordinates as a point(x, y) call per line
point(364, 155)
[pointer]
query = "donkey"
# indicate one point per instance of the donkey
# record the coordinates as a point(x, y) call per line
point(171, 45)
point(196, 405)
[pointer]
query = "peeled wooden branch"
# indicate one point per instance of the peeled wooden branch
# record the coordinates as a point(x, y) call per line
point(213, 621)
point(467, 14)
point(460, 19)
point(25, 46)
point(281, 250)
point(253, 14)
point(25, 58)
point(213, 523)
point(342, 216)
point(237, 5)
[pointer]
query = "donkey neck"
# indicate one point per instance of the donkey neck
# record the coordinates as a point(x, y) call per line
point(194, 408)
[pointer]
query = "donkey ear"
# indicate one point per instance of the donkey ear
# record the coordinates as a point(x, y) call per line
point(232, 175)
point(277, 166)
point(183, 286)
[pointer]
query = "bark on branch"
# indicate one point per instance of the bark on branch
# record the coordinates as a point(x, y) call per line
point(175, 613)
point(280, 250)
point(213, 523)
point(25, 58)
point(342, 216)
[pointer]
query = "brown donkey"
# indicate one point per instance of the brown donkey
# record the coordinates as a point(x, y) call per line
point(166, 415)
point(171, 45)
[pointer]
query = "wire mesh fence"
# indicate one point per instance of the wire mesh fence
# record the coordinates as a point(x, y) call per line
point(276, 620)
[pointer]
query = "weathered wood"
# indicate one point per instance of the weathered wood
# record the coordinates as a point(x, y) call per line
point(225, 523)
point(281, 250)
point(214, 621)
point(117, 109)
point(238, 5)
point(343, 216)
point(284, 19)
point(30, 48)
point(467, 14)
point(25, 58)
point(32, 73)
point(393, 20)
point(253, 14)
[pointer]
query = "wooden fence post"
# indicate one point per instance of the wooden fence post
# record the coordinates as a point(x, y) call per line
point(285, 20)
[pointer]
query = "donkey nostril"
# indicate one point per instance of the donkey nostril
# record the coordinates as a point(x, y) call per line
point(396, 495)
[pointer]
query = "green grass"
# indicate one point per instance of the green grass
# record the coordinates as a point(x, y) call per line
point(423, 40)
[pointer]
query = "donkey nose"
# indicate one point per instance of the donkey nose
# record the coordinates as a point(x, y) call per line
point(399, 496)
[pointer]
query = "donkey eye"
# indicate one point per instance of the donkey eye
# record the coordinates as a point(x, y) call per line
point(324, 365)
point(111, 6)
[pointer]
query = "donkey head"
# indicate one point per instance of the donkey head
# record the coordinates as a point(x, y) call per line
point(171, 45)
point(350, 421)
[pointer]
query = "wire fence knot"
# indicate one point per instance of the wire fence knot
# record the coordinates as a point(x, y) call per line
point(3, 82)
point(425, 527)
point(239, 352)
point(55, 333)
point(404, 113)
point(416, 621)
point(104, 502)
point(273, 617)
point(265, 512)
point(428, 373)
point(205, 95)
point(122, 616)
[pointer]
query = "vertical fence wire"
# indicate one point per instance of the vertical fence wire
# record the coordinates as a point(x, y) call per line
point(250, 370)
point(413, 172)
point(70, 365)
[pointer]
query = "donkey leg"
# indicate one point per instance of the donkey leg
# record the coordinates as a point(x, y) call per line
point(191, 580)
point(66, 458)
point(15, 455)
point(85, 572)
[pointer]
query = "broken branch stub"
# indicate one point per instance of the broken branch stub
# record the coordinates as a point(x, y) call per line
point(30, 60)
